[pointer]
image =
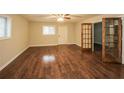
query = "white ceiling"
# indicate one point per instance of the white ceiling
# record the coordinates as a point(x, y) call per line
point(52, 18)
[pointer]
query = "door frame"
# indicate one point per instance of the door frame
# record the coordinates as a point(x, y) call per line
point(119, 37)
point(90, 49)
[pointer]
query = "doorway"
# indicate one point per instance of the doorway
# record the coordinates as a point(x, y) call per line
point(62, 34)
point(107, 39)
point(98, 40)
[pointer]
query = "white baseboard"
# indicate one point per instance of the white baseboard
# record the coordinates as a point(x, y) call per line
point(77, 44)
point(67, 44)
point(50, 45)
point(43, 45)
point(13, 58)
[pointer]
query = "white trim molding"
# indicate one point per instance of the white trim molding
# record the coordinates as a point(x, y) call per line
point(2, 67)
point(43, 45)
point(50, 45)
point(123, 40)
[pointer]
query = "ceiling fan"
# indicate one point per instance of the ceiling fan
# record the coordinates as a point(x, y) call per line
point(62, 17)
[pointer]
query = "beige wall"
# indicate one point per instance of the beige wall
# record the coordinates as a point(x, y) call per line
point(37, 38)
point(9, 48)
point(78, 33)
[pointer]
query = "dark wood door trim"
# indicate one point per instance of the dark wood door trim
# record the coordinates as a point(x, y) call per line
point(119, 33)
point(82, 33)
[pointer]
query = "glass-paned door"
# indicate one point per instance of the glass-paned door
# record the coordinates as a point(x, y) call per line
point(86, 36)
point(111, 39)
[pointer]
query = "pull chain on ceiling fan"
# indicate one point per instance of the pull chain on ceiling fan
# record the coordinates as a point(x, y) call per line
point(60, 17)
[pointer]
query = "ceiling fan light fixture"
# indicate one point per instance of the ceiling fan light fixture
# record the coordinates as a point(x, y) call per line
point(60, 19)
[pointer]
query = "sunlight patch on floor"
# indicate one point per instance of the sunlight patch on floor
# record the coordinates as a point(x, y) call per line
point(48, 58)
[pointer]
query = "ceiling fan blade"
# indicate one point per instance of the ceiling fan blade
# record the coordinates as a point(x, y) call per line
point(67, 14)
point(67, 17)
point(77, 16)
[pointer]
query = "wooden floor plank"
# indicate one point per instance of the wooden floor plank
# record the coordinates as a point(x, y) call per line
point(60, 62)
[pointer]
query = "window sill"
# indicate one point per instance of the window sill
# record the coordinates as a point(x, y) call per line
point(4, 38)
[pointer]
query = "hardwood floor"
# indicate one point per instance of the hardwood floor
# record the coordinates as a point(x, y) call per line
point(98, 51)
point(60, 62)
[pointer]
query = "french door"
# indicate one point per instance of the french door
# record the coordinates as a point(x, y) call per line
point(111, 39)
point(86, 36)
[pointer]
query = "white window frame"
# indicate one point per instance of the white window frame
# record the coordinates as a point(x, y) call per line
point(48, 34)
point(8, 28)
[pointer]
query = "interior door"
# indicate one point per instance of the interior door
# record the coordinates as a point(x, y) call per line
point(111, 39)
point(62, 34)
point(86, 36)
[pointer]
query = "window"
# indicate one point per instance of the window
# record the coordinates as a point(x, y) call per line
point(4, 27)
point(48, 30)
